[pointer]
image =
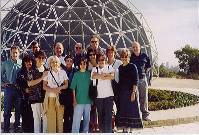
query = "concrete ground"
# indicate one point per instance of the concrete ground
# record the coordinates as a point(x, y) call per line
point(191, 128)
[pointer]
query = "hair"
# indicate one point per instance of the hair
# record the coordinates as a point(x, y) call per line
point(89, 51)
point(78, 44)
point(53, 57)
point(101, 55)
point(14, 47)
point(26, 58)
point(135, 42)
point(40, 53)
point(110, 48)
point(58, 43)
point(68, 56)
point(34, 43)
point(125, 52)
point(95, 36)
point(83, 60)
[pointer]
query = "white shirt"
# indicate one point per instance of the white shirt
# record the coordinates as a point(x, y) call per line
point(60, 76)
point(104, 87)
point(116, 65)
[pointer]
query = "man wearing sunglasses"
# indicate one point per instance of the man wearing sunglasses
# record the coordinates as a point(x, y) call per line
point(94, 44)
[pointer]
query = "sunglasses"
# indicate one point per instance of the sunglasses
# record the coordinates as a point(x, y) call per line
point(93, 41)
point(91, 54)
point(78, 48)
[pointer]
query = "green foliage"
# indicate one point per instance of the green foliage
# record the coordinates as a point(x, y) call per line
point(188, 60)
point(164, 72)
point(163, 99)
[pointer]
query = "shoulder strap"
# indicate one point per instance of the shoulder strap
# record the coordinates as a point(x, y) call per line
point(54, 78)
point(97, 79)
point(113, 63)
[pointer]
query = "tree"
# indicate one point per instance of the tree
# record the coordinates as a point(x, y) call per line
point(188, 59)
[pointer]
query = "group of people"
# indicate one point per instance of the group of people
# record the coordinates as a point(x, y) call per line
point(33, 86)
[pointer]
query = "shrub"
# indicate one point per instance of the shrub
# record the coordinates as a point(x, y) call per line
point(164, 99)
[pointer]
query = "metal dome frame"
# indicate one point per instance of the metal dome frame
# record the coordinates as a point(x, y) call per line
point(115, 22)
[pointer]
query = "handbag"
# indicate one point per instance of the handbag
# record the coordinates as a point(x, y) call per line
point(63, 94)
point(93, 89)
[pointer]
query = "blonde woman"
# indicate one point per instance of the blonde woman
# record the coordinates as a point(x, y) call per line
point(56, 77)
point(129, 115)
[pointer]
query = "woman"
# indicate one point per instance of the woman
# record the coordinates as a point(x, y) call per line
point(36, 98)
point(21, 81)
point(115, 63)
point(129, 116)
point(92, 62)
point(104, 102)
point(55, 81)
point(91, 56)
point(81, 101)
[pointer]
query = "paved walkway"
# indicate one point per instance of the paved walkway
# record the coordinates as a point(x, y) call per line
point(191, 128)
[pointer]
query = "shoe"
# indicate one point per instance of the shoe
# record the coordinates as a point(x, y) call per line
point(6, 131)
point(146, 119)
point(17, 130)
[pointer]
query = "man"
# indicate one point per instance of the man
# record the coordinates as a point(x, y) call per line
point(59, 50)
point(79, 53)
point(94, 44)
point(142, 61)
point(68, 106)
point(35, 48)
point(9, 71)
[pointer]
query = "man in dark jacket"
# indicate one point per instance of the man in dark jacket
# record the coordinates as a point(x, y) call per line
point(142, 61)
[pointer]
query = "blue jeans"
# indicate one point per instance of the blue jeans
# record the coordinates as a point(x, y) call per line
point(104, 109)
point(11, 97)
point(79, 111)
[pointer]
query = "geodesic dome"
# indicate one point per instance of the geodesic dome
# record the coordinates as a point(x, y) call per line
point(72, 21)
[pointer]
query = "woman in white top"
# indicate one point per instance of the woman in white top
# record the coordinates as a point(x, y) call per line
point(52, 106)
point(115, 63)
point(104, 102)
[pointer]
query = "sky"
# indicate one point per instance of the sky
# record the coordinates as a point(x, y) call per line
point(174, 24)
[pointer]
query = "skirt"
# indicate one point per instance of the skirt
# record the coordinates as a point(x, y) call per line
point(128, 114)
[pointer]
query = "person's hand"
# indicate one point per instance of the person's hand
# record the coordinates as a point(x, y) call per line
point(133, 96)
point(74, 102)
point(45, 73)
point(4, 85)
point(56, 90)
point(28, 91)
